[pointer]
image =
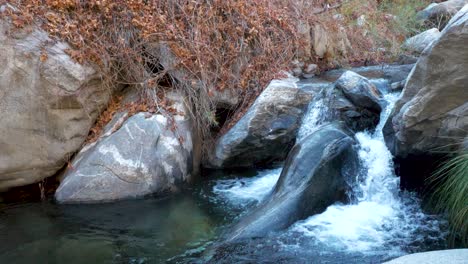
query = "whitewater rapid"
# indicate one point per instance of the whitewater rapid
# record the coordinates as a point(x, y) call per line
point(380, 218)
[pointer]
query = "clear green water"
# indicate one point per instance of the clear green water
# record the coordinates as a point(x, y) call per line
point(147, 230)
point(174, 229)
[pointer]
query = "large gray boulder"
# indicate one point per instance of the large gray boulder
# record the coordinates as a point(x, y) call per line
point(418, 43)
point(432, 113)
point(356, 118)
point(360, 91)
point(267, 131)
point(437, 14)
point(136, 156)
point(48, 103)
point(316, 174)
point(452, 256)
point(356, 101)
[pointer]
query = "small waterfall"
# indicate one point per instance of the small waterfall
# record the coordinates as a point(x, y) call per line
point(312, 118)
point(380, 218)
point(317, 112)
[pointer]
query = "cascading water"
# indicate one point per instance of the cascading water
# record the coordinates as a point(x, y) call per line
point(312, 118)
point(379, 217)
point(380, 222)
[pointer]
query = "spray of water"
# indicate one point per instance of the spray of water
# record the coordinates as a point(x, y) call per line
point(380, 218)
point(244, 190)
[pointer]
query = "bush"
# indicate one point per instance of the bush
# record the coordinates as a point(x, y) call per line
point(217, 44)
point(451, 194)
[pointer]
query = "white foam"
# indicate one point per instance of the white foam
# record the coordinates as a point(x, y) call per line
point(311, 118)
point(379, 218)
point(256, 188)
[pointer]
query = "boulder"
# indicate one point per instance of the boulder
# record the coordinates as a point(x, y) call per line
point(48, 104)
point(419, 42)
point(356, 118)
point(267, 131)
point(316, 174)
point(360, 91)
point(136, 156)
point(452, 256)
point(437, 14)
point(393, 73)
point(320, 40)
point(432, 113)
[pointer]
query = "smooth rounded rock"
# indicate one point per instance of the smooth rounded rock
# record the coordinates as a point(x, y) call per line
point(453, 256)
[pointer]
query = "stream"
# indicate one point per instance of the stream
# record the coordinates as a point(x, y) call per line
point(380, 223)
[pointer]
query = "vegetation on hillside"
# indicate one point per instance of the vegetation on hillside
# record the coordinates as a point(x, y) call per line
point(215, 45)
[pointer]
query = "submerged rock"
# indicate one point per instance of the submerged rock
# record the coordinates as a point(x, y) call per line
point(48, 103)
point(135, 156)
point(314, 177)
point(421, 41)
point(267, 131)
point(432, 113)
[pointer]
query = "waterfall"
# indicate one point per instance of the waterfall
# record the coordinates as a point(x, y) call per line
point(312, 118)
point(379, 218)
point(317, 112)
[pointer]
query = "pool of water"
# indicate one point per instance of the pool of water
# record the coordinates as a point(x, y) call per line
point(175, 229)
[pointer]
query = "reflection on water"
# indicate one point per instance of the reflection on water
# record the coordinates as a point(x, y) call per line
point(141, 231)
point(176, 229)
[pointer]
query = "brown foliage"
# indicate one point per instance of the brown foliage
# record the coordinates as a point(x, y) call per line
point(219, 44)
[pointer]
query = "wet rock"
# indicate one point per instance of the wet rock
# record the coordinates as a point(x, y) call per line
point(360, 91)
point(432, 113)
point(356, 118)
point(135, 156)
point(421, 41)
point(398, 86)
point(48, 103)
point(393, 73)
point(315, 176)
point(267, 131)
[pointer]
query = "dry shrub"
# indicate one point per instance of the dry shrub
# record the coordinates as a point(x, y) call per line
point(217, 44)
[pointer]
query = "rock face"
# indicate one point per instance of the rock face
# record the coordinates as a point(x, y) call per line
point(419, 42)
point(432, 113)
point(439, 14)
point(267, 131)
point(314, 177)
point(134, 157)
point(48, 104)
